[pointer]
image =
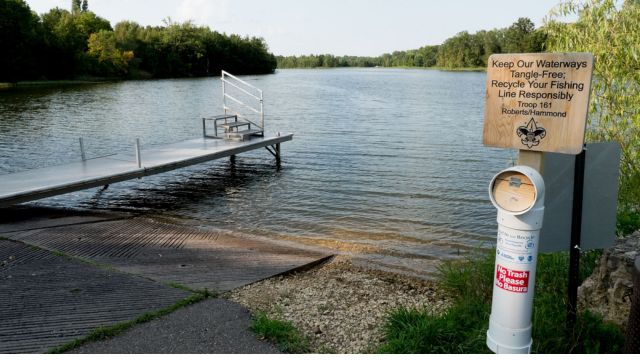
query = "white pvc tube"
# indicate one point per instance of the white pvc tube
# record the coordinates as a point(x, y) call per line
point(515, 269)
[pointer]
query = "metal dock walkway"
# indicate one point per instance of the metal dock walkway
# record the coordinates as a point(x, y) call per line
point(243, 130)
point(55, 180)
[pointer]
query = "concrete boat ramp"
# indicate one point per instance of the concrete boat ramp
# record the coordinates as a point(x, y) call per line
point(64, 277)
point(40, 183)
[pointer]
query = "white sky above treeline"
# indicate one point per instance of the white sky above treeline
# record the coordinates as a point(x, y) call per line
point(339, 27)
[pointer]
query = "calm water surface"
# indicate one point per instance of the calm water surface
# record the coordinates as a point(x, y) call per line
point(384, 163)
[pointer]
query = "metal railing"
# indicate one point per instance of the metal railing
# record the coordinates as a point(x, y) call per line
point(231, 104)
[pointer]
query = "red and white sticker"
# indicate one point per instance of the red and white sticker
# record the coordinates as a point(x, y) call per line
point(512, 280)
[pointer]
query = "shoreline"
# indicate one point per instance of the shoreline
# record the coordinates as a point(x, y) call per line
point(339, 307)
point(437, 68)
point(47, 83)
point(51, 83)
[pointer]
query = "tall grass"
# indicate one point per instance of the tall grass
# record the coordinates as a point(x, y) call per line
point(462, 329)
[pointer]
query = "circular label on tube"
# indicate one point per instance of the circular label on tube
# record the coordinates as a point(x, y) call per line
point(513, 191)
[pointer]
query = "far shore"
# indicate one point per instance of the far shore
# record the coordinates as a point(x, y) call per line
point(46, 83)
point(438, 68)
point(43, 83)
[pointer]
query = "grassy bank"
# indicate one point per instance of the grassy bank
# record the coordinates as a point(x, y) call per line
point(462, 329)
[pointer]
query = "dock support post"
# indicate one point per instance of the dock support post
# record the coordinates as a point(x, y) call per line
point(232, 159)
point(277, 152)
point(138, 159)
point(82, 154)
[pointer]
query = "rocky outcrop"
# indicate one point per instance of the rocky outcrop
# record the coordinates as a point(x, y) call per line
point(608, 290)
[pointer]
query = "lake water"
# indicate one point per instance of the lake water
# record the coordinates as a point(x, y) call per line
point(386, 164)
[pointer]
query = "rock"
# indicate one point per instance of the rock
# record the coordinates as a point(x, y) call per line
point(608, 290)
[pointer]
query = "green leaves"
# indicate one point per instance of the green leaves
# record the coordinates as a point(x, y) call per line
point(612, 34)
point(62, 44)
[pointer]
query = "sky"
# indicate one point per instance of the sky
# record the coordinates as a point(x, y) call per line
point(339, 27)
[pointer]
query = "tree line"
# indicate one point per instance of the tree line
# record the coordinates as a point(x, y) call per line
point(464, 50)
point(62, 44)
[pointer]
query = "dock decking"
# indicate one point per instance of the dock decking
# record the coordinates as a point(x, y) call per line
point(40, 183)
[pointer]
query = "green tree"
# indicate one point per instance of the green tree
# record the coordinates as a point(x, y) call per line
point(75, 6)
point(20, 39)
point(60, 44)
point(429, 54)
point(493, 41)
point(66, 37)
point(612, 35)
point(63, 44)
point(462, 50)
point(87, 23)
point(111, 61)
point(522, 37)
point(128, 35)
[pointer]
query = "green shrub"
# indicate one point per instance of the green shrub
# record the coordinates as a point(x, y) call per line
point(627, 222)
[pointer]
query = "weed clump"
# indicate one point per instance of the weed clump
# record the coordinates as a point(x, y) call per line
point(283, 333)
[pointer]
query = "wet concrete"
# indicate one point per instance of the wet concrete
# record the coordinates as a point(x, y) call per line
point(169, 253)
point(67, 273)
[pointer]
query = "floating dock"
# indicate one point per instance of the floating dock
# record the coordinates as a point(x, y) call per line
point(243, 130)
point(45, 182)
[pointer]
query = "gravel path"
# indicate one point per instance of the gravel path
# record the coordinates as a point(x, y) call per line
point(339, 306)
